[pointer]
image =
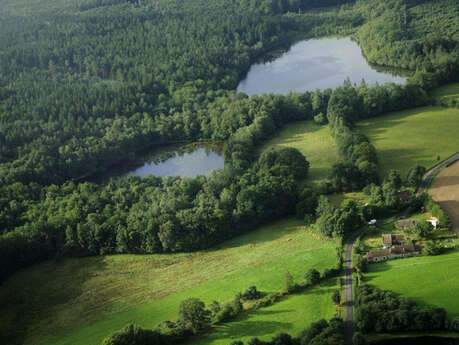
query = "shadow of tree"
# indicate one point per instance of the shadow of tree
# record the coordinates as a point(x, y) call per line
point(33, 295)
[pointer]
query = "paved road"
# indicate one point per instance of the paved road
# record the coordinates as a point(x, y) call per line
point(429, 176)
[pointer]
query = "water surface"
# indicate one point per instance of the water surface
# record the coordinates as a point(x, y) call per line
point(186, 161)
point(315, 64)
point(174, 160)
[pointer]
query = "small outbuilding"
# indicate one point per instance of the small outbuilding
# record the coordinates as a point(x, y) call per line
point(434, 222)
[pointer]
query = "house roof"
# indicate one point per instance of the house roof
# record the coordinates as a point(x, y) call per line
point(407, 248)
point(398, 238)
point(378, 253)
point(387, 239)
point(391, 238)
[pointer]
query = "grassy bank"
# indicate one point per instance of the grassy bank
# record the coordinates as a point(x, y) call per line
point(291, 316)
point(414, 136)
point(80, 301)
point(428, 280)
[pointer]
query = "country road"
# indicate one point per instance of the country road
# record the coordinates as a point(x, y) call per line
point(429, 175)
point(349, 297)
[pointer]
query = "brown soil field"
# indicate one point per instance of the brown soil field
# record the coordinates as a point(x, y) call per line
point(445, 191)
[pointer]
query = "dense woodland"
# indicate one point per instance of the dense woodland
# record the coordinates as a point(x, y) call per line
point(85, 83)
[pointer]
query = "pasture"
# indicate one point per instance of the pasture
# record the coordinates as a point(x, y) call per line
point(81, 300)
point(314, 142)
point(428, 280)
point(445, 191)
point(415, 136)
point(291, 315)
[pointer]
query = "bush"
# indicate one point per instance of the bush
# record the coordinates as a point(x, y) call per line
point(312, 276)
point(336, 297)
point(266, 301)
point(229, 310)
point(320, 119)
point(430, 248)
point(251, 293)
point(358, 339)
point(133, 335)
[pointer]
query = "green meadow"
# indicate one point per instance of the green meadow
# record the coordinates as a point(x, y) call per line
point(428, 280)
point(314, 142)
point(81, 300)
point(414, 136)
point(291, 315)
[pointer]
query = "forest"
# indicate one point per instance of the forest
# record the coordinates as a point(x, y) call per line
point(85, 83)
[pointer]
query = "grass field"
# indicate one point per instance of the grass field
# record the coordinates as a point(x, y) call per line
point(80, 301)
point(315, 143)
point(428, 280)
point(414, 136)
point(291, 316)
point(445, 190)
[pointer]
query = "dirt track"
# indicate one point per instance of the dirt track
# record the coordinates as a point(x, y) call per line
point(445, 190)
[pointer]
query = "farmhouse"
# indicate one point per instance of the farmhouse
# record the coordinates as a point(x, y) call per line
point(406, 223)
point(390, 239)
point(378, 255)
point(403, 251)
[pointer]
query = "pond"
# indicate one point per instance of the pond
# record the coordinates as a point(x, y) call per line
point(174, 160)
point(315, 64)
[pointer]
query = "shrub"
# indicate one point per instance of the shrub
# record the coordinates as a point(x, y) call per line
point(336, 297)
point(312, 276)
point(133, 335)
point(251, 293)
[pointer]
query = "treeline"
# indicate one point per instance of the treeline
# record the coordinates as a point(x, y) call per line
point(193, 318)
point(380, 311)
point(319, 333)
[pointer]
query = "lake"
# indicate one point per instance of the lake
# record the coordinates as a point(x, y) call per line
point(315, 64)
point(173, 160)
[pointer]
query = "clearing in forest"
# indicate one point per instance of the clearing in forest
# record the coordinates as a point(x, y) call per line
point(416, 136)
point(82, 300)
point(445, 191)
point(314, 142)
point(428, 280)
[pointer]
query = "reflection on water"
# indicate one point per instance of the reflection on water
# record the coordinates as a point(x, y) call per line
point(315, 64)
point(185, 160)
